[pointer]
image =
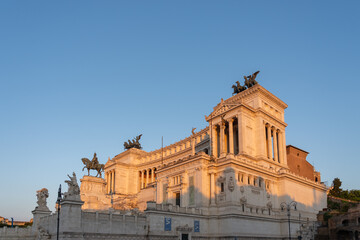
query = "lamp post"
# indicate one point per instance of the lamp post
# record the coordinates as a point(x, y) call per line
point(111, 198)
point(58, 210)
point(288, 206)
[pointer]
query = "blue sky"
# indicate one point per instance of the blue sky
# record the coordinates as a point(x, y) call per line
point(83, 76)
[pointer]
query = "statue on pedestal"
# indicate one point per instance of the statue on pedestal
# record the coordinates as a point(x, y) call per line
point(73, 190)
point(133, 143)
point(93, 164)
point(248, 83)
point(42, 195)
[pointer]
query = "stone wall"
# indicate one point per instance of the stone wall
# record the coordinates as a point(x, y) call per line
point(17, 233)
point(160, 221)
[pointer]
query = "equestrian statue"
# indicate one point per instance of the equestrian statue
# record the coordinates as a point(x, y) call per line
point(93, 165)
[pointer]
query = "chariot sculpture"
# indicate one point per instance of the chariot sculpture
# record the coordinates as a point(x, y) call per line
point(93, 165)
point(248, 83)
point(133, 143)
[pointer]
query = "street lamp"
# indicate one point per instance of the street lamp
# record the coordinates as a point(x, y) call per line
point(111, 198)
point(288, 206)
point(58, 210)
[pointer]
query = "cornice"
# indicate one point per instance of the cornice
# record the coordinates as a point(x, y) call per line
point(136, 151)
point(202, 131)
point(238, 100)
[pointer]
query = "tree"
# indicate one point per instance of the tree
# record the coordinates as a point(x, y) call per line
point(336, 190)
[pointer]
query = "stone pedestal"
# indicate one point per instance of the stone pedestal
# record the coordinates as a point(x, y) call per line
point(70, 215)
point(37, 214)
point(93, 193)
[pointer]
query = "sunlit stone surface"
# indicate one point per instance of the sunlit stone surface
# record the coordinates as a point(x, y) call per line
point(224, 181)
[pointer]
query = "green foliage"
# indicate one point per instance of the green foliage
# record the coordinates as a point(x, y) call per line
point(341, 205)
point(333, 205)
point(336, 190)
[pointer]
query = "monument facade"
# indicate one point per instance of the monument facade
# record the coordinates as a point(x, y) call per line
point(230, 180)
point(238, 169)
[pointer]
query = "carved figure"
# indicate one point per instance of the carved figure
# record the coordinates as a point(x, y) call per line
point(43, 234)
point(238, 88)
point(42, 195)
point(73, 187)
point(193, 131)
point(231, 184)
point(94, 165)
point(248, 83)
point(133, 143)
point(250, 80)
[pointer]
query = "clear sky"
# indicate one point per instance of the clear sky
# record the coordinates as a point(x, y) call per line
point(83, 76)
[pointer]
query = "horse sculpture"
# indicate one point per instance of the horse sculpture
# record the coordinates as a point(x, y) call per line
point(133, 143)
point(248, 83)
point(93, 165)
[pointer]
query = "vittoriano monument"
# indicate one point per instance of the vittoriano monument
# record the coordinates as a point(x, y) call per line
point(93, 165)
point(133, 143)
point(248, 83)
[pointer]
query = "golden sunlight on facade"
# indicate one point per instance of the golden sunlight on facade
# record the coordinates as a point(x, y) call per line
point(239, 162)
point(234, 179)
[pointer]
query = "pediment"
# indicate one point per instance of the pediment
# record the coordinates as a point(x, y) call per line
point(223, 107)
point(247, 99)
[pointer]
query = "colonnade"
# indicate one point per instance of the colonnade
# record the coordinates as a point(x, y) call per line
point(110, 179)
point(226, 138)
point(274, 142)
point(146, 176)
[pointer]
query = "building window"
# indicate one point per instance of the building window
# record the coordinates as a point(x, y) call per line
point(177, 198)
point(222, 187)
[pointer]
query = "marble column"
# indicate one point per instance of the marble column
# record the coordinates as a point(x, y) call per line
point(240, 135)
point(222, 139)
point(231, 136)
point(269, 142)
point(280, 147)
point(110, 181)
point(142, 179)
point(214, 141)
point(261, 149)
point(284, 148)
point(107, 182)
point(275, 146)
point(113, 180)
point(152, 174)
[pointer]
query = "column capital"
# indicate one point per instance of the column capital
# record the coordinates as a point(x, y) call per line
point(230, 120)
